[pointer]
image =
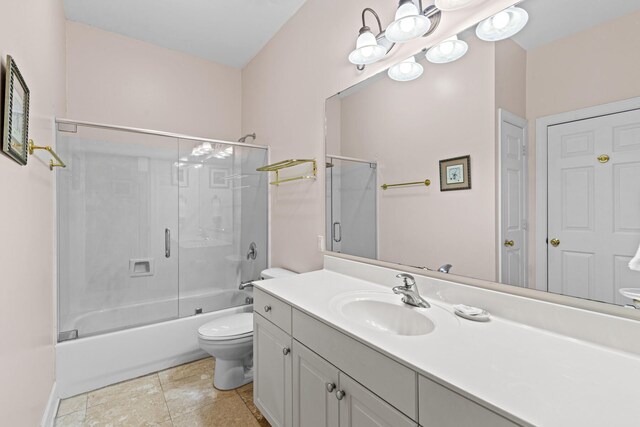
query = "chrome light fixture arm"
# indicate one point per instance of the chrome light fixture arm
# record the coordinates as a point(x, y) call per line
point(380, 37)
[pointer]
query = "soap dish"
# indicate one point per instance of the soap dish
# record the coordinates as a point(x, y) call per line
point(471, 313)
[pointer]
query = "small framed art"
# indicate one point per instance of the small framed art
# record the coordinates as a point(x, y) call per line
point(15, 139)
point(455, 174)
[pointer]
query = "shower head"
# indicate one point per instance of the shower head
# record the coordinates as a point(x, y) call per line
point(249, 135)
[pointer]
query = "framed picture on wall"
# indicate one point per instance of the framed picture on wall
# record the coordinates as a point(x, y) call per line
point(15, 139)
point(218, 178)
point(455, 174)
point(180, 175)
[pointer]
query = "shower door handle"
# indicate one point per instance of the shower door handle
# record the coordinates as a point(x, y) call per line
point(337, 232)
point(167, 243)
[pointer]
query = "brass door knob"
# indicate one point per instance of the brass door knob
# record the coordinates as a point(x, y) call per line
point(509, 243)
point(603, 158)
point(554, 242)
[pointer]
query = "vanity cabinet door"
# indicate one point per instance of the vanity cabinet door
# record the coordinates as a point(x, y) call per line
point(361, 408)
point(315, 382)
point(272, 360)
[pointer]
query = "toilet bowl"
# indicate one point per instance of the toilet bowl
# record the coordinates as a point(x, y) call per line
point(229, 339)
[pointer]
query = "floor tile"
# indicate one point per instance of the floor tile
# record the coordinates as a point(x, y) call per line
point(202, 368)
point(230, 412)
point(132, 411)
point(189, 393)
point(140, 386)
point(74, 419)
point(246, 393)
point(72, 404)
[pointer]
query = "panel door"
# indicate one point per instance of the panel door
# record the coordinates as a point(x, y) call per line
point(594, 206)
point(314, 383)
point(513, 195)
point(272, 372)
point(361, 408)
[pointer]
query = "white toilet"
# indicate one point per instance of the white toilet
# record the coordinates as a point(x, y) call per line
point(229, 339)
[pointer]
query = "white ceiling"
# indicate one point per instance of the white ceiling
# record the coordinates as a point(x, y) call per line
point(551, 20)
point(229, 32)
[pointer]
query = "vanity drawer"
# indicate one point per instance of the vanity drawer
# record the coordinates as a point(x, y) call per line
point(272, 309)
point(385, 377)
point(441, 407)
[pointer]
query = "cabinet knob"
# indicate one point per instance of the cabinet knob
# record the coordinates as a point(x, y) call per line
point(267, 308)
point(340, 394)
point(286, 351)
point(331, 387)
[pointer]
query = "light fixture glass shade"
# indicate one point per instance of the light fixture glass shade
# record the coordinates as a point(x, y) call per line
point(367, 50)
point(449, 5)
point(406, 70)
point(502, 25)
point(409, 24)
point(447, 51)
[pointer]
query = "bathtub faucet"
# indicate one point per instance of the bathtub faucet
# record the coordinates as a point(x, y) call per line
point(244, 285)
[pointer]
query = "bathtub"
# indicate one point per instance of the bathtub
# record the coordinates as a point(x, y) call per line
point(94, 361)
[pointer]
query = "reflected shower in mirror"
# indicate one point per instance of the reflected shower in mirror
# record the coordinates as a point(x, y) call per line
point(550, 120)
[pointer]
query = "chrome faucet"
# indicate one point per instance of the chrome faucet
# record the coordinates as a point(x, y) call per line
point(410, 291)
point(246, 284)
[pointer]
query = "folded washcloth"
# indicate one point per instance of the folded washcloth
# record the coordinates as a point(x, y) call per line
point(634, 264)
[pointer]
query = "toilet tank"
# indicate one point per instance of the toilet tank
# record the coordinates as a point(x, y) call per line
point(276, 273)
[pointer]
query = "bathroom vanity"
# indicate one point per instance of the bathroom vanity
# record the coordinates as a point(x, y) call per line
point(343, 351)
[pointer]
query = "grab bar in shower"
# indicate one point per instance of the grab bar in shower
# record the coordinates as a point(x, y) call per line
point(167, 243)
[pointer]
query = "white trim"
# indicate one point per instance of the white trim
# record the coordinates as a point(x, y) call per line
point(505, 116)
point(50, 411)
point(541, 170)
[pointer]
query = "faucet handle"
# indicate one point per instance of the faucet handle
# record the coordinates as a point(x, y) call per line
point(407, 279)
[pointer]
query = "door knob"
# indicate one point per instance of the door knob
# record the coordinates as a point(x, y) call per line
point(331, 387)
point(340, 394)
point(509, 243)
point(555, 242)
point(603, 158)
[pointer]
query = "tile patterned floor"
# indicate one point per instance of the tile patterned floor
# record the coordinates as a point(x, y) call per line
point(177, 397)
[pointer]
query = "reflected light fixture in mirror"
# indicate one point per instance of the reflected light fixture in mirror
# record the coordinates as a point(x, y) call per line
point(409, 23)
point(448, 50)
point(502, 25)
point(449, 5)
point(406, 70)
point(369, 48)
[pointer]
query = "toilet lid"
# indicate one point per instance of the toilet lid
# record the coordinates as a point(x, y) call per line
point(227, 326)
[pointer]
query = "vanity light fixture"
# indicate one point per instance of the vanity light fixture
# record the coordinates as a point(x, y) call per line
point(502, 25)
point(409, 24)
point(406, 70)
point(448, 50)
point(449, 5)
point(369, 48)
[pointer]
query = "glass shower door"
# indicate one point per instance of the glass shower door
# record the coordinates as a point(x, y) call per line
point(352, 207)
point(222, 211)
point(117, 207)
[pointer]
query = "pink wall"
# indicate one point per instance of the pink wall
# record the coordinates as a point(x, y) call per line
point(117, 80)
point(408, 127)
point(284, 91)
point(33, 33)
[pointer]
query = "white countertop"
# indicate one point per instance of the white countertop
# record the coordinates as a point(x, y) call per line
point(540, 377)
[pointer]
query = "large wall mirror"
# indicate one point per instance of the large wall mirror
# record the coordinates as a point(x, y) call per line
point(550, 120)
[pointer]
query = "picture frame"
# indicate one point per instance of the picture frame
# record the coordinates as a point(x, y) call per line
point(218, 177)
point(455, 173)
point(180, 176)
point(15, 140)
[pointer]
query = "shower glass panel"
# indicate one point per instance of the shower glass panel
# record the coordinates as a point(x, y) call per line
point(153, 227)
point(352, 206)
point(223, 209)
point(117, 204)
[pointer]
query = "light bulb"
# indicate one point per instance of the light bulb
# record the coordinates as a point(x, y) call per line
point(448, 50)
point(406, 70)
point(502, 25)
point(500, 20)
point(367, 49)
point(409, 24)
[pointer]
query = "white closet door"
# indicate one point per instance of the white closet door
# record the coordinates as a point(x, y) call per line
point(594, 206)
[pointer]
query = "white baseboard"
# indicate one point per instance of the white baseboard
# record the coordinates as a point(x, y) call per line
point(50, 410)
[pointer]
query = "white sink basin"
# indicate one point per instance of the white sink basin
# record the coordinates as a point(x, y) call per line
point(384, 313)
